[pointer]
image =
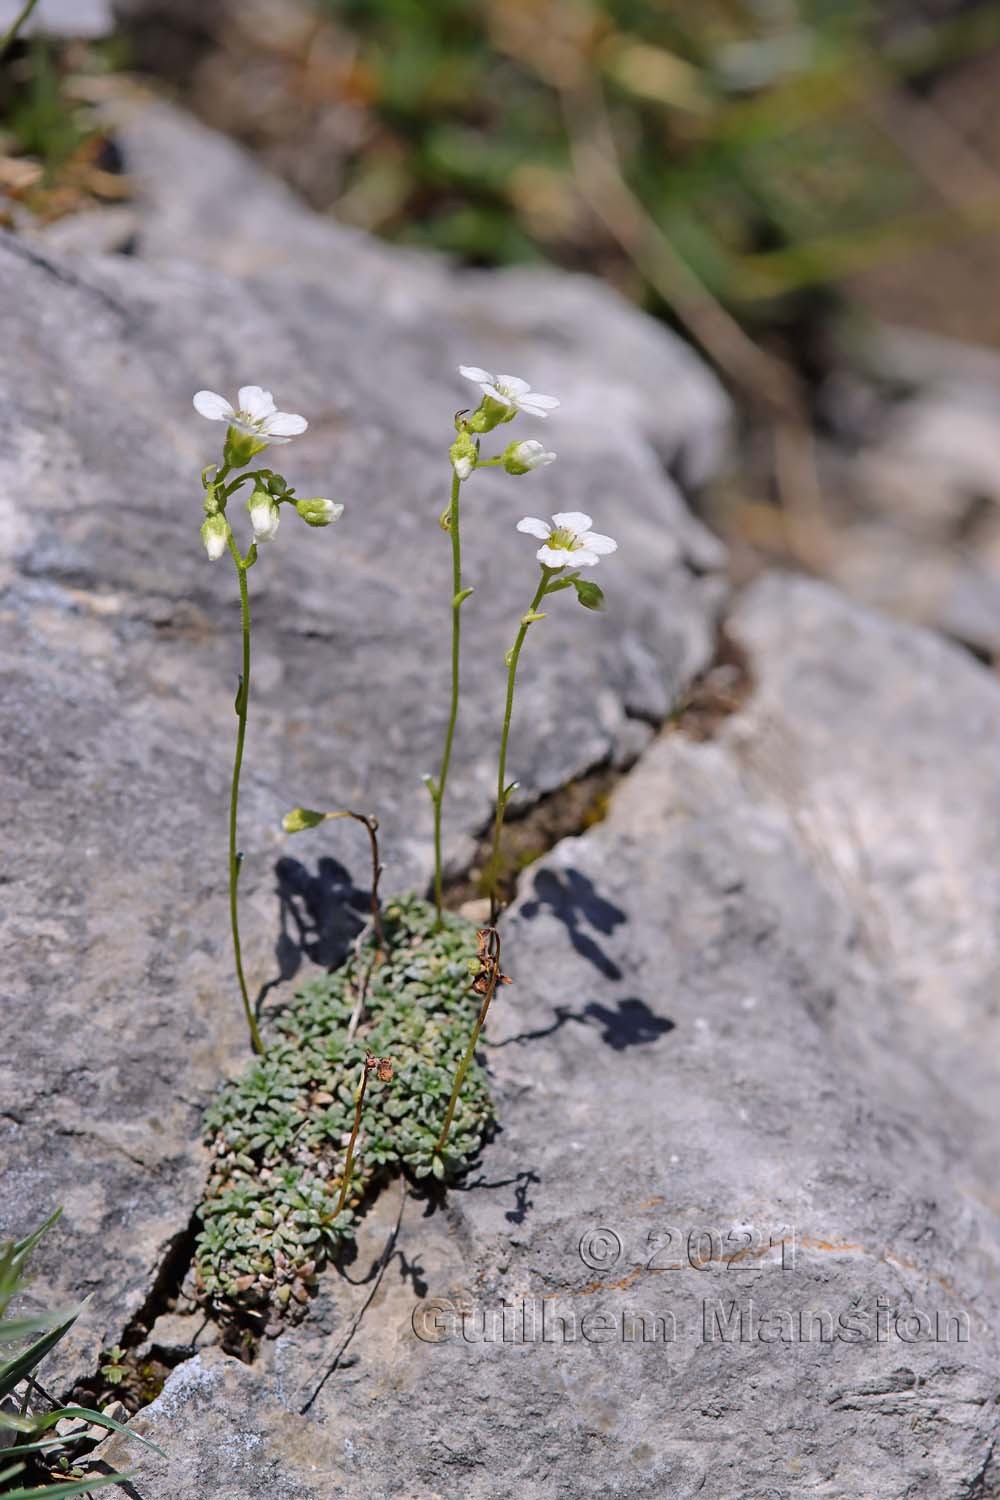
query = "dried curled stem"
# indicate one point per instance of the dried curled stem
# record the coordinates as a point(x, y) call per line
point(484, 984)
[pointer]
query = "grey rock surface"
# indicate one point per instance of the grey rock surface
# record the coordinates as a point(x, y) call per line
point(726, 1099)
point(121, 653)
point(87, 18)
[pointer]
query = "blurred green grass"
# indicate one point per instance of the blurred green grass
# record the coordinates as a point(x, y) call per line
point(745, 129)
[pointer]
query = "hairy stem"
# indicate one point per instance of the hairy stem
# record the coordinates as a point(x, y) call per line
point(492, 877)
point(456, 629)
point(235, 858)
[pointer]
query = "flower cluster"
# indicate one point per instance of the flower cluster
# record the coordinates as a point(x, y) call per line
point(569, 541)
point(252, 425)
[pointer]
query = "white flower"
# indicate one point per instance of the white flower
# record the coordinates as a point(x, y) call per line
point(510, 390)
point(264, 516)
point(215, 535)
point(256, 414)
point(521, 458)
point(569, 541)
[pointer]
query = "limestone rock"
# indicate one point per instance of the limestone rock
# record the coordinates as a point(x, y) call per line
point(121, 653)
point(730, 1219)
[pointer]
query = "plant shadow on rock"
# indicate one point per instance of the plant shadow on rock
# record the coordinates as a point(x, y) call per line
point(573, 899)
point(320, 916)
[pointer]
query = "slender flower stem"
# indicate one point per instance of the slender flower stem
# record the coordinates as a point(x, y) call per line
point(242, 704)
point(359, 1099)
point(492, 878)
point(492, 979)
point(457, 599)
point(19, 21)
point(370, 822)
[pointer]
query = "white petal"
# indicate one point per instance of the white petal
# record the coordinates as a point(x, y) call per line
point(556, 557)
point(602, 545)
point(256, 402)
point(473, 372)
point(582, 557)
point(265, 520)
point(498, 395)
point(573, 520)
point(513, 384)
point(216, 408)
point(533, 527)
point(539, 406)
point(284, 424)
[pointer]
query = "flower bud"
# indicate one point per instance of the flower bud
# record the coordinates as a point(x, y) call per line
point(319, 512)
point(264, 516)
point(464, 452)
point(521, 458)
point(215, 535)
point(300, 818)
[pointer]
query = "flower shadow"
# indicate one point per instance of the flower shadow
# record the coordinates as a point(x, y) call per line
point(573, 899)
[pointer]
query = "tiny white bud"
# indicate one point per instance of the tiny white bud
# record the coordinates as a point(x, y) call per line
point(319, 512)
point(521, 458)
point(464, 454)
point(215, 535)
point(264, 516)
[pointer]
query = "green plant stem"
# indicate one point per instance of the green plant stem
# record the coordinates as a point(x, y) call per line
point(493, 868)
point(242, 704)
point(456, 631)
point(463, 1067)
point(25, 12)
point(359, 1099)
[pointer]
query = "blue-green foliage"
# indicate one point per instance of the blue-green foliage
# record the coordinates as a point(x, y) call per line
point(278, 1134)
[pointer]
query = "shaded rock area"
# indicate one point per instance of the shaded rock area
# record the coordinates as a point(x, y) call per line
point(121, 648)
point(737, 1089)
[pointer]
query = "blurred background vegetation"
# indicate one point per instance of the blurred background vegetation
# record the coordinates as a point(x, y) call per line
point(769, 176)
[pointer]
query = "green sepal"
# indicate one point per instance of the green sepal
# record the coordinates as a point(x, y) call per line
point(241, 448)
point(490, 414)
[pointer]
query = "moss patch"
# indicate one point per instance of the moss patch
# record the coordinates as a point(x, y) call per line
point(278, 1134)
